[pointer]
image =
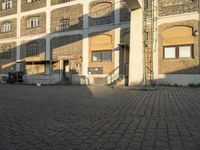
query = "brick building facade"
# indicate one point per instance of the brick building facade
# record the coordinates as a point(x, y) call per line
point(84, 41)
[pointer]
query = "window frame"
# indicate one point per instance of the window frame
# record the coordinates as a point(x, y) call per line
point(31, 1)
point(177, 51)
point(6, 54)
point(4, 28)
point(6, 4)
point(62, 23)
point(93, 55)
point(110, 51)
point(191, 51)
point(164, 48)
point(30, 22)
point(64, 1)
point(101, 55)
point(34, 52)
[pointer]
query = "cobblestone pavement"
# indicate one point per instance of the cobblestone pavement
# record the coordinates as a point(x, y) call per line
point(96, 118)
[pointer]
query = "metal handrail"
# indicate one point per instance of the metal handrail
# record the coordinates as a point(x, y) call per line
point(112, 76)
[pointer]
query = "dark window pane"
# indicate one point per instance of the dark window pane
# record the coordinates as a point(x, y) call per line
point(107, 56)
point(32, 49)
point(96, 56)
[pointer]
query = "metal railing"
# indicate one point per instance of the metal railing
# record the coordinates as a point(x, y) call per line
point(117, 73)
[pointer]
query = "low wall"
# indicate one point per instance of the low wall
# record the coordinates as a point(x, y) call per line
point(43, 79)
point(79, 80)
point(179, 79)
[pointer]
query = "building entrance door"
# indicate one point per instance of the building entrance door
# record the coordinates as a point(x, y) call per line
point(124, 62)
point(65, 69)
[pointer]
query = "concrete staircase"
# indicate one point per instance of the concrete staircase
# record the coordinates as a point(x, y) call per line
point(118, 76)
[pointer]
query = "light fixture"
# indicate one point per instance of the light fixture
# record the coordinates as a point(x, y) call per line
point(195, 33)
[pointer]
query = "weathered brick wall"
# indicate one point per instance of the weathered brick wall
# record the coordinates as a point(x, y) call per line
point(37, 30)
point(179, 66)
point(173, 7)
point(123, 36)
point(33, 68)
point(7, 12)
point(42, 50)
point(54, 2)
point(105, 45)
point(31, 6)
point(73, 13)
point(67, 48)
point(13, 31)
point(148, 8)
point(8, 64)
point(101, 12)
point(124, 12)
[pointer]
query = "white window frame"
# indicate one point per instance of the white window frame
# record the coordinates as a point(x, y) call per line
point(6, 27)
point(7, 4)
point(166, 56)
point(188, 55)
point(177, 52)
point(30, 1)
point(33, 22)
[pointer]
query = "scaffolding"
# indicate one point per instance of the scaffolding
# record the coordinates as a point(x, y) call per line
point(150, 39)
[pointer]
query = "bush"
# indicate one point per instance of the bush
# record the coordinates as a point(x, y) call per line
point(194, 85)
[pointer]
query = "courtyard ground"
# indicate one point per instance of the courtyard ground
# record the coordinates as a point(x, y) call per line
point(98, 118)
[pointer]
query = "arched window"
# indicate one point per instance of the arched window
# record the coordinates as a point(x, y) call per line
point(178, 42)
point(5, 53)
point(30, 1)
point(33, 22)
point(32, 49)
point(7, 4)
point(6, 27)
point(64, 24)
point(101, 9)
point(101, 47)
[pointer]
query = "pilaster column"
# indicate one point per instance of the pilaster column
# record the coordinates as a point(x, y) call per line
point(117, 32)
point(136, 60)
point(48, 37)
point(18, 42)
point(85, 53)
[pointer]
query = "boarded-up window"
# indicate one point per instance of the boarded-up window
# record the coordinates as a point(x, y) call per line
point(101, 9)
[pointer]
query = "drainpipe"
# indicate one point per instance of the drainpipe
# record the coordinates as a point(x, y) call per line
point(199, 29)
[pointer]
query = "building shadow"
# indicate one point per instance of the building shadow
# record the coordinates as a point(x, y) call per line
point(66, 48)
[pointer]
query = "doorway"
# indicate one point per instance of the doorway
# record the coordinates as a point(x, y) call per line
point(66, 70)
point(124, 62)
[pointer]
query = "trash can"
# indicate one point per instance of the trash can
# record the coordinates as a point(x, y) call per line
point(20, 76)
point(15, 77)
point(12, 77)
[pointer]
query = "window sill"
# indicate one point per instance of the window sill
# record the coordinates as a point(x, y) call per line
point(33, 27)
point(101, 62)
point(6, 9)
point(6, 32)
point(179, 59)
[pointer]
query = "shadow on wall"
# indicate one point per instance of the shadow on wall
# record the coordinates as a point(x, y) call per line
point(33, 59)
point(66, 48)
point(180, 77)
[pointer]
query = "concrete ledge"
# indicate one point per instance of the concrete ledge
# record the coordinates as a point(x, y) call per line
point(179, 79)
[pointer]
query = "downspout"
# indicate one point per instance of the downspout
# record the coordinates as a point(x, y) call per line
point(199, 30)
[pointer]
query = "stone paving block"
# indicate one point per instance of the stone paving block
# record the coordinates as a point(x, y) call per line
point(56, 117)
